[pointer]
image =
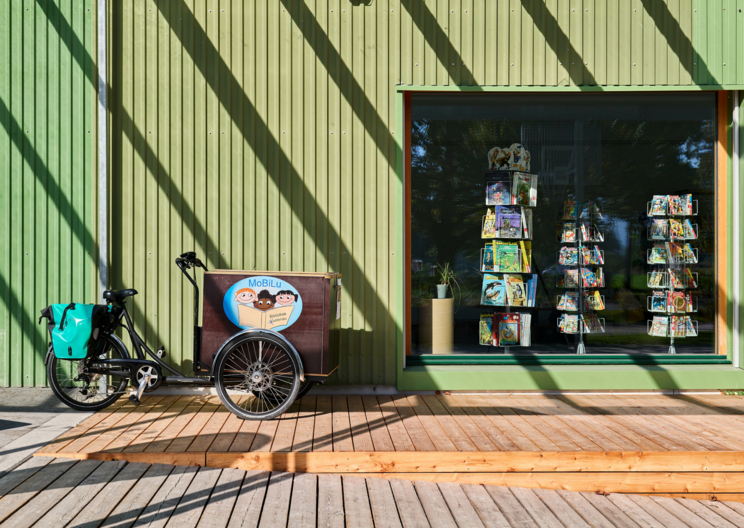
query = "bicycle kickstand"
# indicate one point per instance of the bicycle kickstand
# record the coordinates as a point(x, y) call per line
point(135, 398)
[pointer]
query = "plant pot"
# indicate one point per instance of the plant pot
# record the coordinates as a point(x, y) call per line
point(441, 291)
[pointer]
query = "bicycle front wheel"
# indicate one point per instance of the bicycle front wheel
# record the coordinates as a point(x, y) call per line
point(257, 377)
point(86, 392)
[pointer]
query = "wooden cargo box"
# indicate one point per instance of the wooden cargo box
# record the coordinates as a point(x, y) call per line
point(303, 307)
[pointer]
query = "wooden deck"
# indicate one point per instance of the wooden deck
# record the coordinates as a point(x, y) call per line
point(56, 492)
point(690, 446)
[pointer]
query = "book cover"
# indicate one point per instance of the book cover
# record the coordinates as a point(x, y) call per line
point(525, 332)
point(689, 279)
point(498, 189)
point(689, 254)
point(659, 302)
point(569, 210)
point(571, 278)
point(656, 279)
point(658, 205)
point(678, 328)
point(659, 326)
point(674, 205)
point(690, 329)
point(571, 301)
point(569, 324)
point(676, 279)
point(676, 230)
point(688, 302)
point(524, 189)
point(589, 278)
point(527, 223)
point(493, 292)
point(677, 301)
point(686, 201)
point(598, 253)
point(593, 301)
point(486, 329)
point(509, 225)
point(249, 316)
point(568, 256)
point(569, 232)
point(659, 229)
point(508, 329)
point(657, 255)
point(689, 230)
point(488, 261)
point(525, 250)
point(515, 292)
point(489, 225)
point(507, 258)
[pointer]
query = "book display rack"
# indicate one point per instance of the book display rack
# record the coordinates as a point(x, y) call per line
point(672, 300)
point(508, 281)
point(582, 277)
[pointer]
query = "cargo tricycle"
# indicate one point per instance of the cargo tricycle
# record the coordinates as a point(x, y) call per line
point(266, 338)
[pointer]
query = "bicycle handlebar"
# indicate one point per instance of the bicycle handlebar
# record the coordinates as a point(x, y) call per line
point(188, 260)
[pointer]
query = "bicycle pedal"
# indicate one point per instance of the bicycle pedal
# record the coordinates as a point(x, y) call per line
point(160, 352)
point(135, 400)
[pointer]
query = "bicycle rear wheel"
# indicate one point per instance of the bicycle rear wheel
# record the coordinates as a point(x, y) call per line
point(86, 392)
point(257, 376)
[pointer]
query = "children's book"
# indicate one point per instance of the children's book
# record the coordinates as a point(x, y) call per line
point(658, 205)
point(569, 232)
point(525, 332)
point(489, 225)
point(593, 301)
point(689, 230)
point(657, 255)
point(487, 264)
point(674, 252)
point(690, 329)
point(507, 258)
point(678, 327)
point(674, 205)
point(592, 256)
point(659, 326)
point(515, 292)
point(486, 329)
point(689, 254)
point(569, 324)
point(676, 279)
point(494, 291)
point(600, 256)
point(659, 229)
point(570, 301)
point(690, 281)
point(569, 210)
point(659, 301)
point(676, 231)
point(525, 250)
point(568, 256)
point(676, 302)
point(686, 203)
point(571, 279)
point(498, 189)
point(592, 324)
point(509, 225)
point(589, 278)
point(524, 189)
point(656, 278)
point(508, 329)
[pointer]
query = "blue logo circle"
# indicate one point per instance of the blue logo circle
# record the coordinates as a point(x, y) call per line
point(270, 303)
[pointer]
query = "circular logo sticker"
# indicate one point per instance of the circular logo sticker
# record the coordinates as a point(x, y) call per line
point(262, 302)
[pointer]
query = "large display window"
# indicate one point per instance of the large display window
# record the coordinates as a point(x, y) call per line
point(562, 224)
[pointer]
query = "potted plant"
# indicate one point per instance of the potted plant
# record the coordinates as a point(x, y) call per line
point(447, 276)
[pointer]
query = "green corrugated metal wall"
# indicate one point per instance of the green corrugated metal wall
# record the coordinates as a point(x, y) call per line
point(46, 203)
point(262, 134)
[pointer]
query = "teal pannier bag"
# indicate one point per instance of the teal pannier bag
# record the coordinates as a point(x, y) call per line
point(74, 328)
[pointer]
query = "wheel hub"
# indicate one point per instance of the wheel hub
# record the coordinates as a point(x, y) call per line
point(259, 376)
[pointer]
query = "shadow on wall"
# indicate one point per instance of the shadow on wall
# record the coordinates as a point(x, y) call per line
point(371, 309)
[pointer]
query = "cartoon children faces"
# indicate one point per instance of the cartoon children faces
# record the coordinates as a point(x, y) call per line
point(245, 296)
point(265, 301)
point(285, 297)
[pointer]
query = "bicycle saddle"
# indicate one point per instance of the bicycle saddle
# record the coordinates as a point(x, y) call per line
point(118, 295)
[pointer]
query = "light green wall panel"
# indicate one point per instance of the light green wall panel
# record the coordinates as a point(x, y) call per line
point(47, 240)
point(263, 135)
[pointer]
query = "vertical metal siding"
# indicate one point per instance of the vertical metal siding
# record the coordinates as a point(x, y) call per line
point(46, 218)
point(261, 134)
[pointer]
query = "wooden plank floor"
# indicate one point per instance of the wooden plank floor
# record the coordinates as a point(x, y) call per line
point(682, 445)
point(57, 492)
